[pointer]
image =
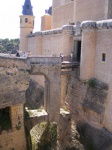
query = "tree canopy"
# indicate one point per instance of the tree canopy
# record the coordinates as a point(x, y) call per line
point(9, 45)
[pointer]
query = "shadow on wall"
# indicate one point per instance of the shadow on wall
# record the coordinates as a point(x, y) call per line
point(34, 95)
point(93, 138)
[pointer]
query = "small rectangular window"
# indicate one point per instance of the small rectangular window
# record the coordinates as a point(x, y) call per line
point(103, 56)
point(26, 20)
point(20, 20)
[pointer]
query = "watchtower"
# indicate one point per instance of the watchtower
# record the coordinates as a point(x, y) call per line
point(26, 24)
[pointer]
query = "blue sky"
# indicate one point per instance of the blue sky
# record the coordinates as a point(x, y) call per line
point(9, 16)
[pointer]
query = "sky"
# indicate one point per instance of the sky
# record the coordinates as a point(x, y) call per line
point(10, 10)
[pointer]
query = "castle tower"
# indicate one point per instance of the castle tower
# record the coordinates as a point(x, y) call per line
point(26, 24)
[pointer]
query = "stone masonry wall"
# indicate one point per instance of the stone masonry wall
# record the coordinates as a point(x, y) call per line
point(62, 13)
point(101, 68)
point(14, 138)
point(42, 43)
point(14, 80)
point(90, 10)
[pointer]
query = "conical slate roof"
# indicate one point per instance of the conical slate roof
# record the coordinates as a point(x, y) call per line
point(27, 8)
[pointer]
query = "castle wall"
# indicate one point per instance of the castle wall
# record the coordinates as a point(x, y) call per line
point(110, 9)
point(66, 11)
point(35, 45)
point(42, 43)
point(104, 45)
point(24, 40)
point(90, 10)
point(87, 51)
point(102, 59)
point(103, 69)
point(49, 46)
point(62, 13)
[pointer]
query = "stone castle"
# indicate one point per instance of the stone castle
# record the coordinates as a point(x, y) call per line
point(81, 27)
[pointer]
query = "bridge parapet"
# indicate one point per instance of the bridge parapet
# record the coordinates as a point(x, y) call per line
point(8, 62)
point(14, 80)
point(43, 60)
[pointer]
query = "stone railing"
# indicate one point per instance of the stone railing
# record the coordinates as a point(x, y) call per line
point(43, 60)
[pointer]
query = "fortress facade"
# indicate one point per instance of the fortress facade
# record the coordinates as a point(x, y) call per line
point(79, 26)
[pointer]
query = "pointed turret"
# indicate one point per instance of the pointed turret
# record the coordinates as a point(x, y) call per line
point(27, 8)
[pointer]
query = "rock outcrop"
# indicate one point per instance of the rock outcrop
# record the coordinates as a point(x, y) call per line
point(86, 101)
point(34, 95)
point(14, 80)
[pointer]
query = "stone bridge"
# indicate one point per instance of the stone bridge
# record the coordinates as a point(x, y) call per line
point(14, 79)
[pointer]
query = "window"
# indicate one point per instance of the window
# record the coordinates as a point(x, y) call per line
point(103, 56)
point(20, 20)
point(26, 20)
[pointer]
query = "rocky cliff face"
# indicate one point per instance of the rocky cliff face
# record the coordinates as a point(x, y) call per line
point(34, 95)
point(14, 80)
point(86, 101)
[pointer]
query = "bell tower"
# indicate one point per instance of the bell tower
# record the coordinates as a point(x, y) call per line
point(26, 25)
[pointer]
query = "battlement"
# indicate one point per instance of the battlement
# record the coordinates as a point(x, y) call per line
point(53, 31)
point(103, 24)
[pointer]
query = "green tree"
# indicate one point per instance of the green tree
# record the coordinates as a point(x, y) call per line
point(9, 45)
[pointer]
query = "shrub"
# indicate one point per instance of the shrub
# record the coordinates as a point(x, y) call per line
point(92, 82)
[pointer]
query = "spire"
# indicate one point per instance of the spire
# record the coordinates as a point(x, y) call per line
point(27, 8)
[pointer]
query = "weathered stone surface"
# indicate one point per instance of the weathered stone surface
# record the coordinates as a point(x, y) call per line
point(104, 24)
point(68, 136)
point(35, 95)
point(87, 101)
point(44, 136)
point(88, 24)
point(13, 82)
point(87, 105)
point(14, 138)
point(93, 138)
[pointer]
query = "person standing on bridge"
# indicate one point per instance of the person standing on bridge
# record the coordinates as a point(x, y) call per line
point(61, 55)
point(29, 54)
point(17, 54)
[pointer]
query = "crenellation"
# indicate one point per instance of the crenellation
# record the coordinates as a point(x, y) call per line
point(88, 25)
point(67, 27)
point(104, 24)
